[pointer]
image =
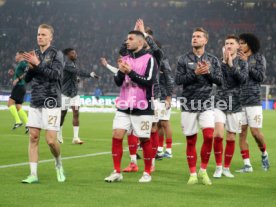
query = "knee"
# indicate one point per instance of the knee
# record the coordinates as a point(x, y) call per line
point(255, 133)
point(34, 137)
point(51, 142)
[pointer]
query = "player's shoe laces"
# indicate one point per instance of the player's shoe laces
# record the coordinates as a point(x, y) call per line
point(132, 167)
point(192, 180)
point(26, 130)
point(15, 126)
point(114, 177)
point(30, 179)
point(265, 162)
point(204, 177)
point(167, 155)
point(218, 172)
point(245, 169)
point(77, 141)
point(145, 178)
point(226, 172)
point(159, 155)
point(60, 174)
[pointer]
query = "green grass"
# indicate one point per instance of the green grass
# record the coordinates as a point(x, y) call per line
point(85, 185)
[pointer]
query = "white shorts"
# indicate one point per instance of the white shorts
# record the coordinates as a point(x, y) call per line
point(163, 113)
point(252, 116)
point(190, 120)
point(141, 125)
point(155, 118)
point(44, 118)
point(232, 121)
point(67, 102)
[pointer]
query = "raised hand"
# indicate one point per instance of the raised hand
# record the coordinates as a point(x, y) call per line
point(103, 61)
point(31, 58)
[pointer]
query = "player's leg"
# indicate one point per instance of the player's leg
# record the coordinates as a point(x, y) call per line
point(168, 132)
point(121, 124)
point(14, 113)
point(189, 129)
point(34, 124)
point(164, 116)
point(220, 119)
point(233, 126)
point(207, 123)
point(142, 126)
point(244, 147)
point(161, 134)
point(132, 141)
point(154, 138)
point(76, 124)
point(21, 91)
point(51, 123)
point(65, 103)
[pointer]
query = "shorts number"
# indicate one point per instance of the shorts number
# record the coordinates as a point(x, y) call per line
point(52, 120)
point(145, 125)
point(257, 118)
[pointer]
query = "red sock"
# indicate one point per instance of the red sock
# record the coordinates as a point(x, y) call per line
point(263, 149)
point(218, 150)
point(161, 141)
point(147, 152)
point(206, 147)
point(168, 143)
point(132, 144)
point(245, 154)
point(117, 152)
point(191, 152)
point(154, 138)
point(229, 152)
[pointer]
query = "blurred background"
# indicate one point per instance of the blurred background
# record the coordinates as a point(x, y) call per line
point(97, 28)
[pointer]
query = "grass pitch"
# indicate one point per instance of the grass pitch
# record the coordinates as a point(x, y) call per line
point(85, 184)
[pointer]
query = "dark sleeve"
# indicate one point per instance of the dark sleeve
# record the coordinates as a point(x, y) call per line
point(240, 74)
point(257, 72)
point(53, 71)
point(30, 75)
point(73, 70)
point(156, 51)
point(215, 75)
point(168, 77)
point(150, 74)
point(119, 78)
point(184, 76)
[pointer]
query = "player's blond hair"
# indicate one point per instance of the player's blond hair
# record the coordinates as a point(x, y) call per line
point(200, 29)
point(47, 26)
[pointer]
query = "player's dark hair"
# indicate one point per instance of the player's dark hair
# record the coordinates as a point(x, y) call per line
point(232, 36)
point(67, 50)
point(200, 29)
point(252, 41)
point(20, 52)
point(138, 33)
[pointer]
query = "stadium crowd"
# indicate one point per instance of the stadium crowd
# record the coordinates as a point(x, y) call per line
point(97, 29)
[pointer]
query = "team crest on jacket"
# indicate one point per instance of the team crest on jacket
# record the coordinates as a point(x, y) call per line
point(47, 59)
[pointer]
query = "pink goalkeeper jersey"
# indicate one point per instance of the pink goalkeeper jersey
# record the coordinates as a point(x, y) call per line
point(131, 95)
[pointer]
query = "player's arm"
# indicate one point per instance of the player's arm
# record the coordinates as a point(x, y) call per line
point(168, 77)
point(258, 71)
point(119, 78)
point(148, 78)
point(157, 52)
point(241, 73)
point(215, 74)
point(53, 70)
point(109, 67)
point(183, 75)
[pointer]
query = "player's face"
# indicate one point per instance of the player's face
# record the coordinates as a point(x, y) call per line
point(44, 37)
point(133, 42)
point(73, 55)
point(232, 46)
point(198, 40)
point(243, 46)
